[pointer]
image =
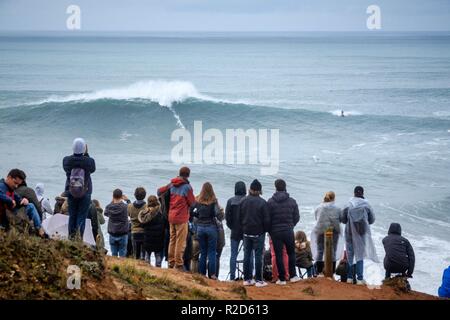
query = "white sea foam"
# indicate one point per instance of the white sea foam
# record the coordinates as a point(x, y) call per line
point(346, 113)
point(165, 93)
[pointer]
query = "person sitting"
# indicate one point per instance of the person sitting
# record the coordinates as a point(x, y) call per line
point(44, 202)
point(153, 224)
point(60, 203)
point(11, 201)
point(303, 254)
point(444, 289)
point(101, 220)
point(26, 192)
point(399, 253)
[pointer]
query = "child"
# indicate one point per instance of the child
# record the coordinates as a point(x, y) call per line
point(303, 254)
point(154, 226)
point(399, 253)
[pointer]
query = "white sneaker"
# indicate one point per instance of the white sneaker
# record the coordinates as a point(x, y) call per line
point(350, 281)
point(320, 275)
point(248, 283)
point(295, 279)
point(280, 283)
point(260, 284)
point(253, 282)
point(361, 282)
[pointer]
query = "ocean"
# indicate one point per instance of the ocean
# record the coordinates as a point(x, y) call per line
point(125, 93)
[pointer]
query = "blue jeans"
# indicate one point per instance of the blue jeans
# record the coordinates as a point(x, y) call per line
point(207, 239)
point(118, 245)
point(78, 212)
point(359, 264)
point(233, 258)
point(253, 245)
point(33, 215)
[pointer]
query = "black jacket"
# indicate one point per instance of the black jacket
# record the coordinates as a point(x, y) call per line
point(284, 214)
point(254, 215)
point(232, 211)
point(154, 234)
point(118, 218)
point(399, 252)
point(79, 161)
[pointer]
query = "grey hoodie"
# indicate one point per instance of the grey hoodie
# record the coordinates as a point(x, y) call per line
point(118, 218)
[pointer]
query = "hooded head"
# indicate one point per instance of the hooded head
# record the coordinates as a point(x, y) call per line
point(239, 189)
point(280, 185)
point(395, 228)
point(39, 189)
point(359, 192)
point(256, 187)
point(79, 146)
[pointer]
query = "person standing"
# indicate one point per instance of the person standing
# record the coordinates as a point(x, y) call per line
point(205, 211)
point(284, 215)
point(118, 223)
point(137, 230)
point(78, 168)
point(234, 224)
point(181, 199)
point(327, 215)
point(255, 220)
point(358, 216)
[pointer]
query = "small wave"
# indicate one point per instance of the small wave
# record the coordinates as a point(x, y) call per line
point(442, 114)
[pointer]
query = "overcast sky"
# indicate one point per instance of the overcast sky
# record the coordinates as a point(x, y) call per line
point(226, 15)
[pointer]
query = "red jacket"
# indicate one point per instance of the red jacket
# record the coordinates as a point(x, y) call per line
point(181, 199)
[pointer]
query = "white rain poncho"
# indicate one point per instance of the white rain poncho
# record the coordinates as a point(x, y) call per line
point(327, 215)
point(45, 203)
point(358, 217)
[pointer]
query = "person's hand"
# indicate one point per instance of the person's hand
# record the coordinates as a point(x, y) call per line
point(86, 149)
point(124, 197)
point(24, 202)
point(14, 204)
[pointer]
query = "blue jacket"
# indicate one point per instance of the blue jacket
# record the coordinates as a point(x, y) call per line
point(82, 161)
point(5, 199)
point(444, 289)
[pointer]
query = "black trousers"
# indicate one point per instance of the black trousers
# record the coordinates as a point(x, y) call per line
point(279, 240)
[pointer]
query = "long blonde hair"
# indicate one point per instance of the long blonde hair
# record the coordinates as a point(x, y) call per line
point(207, 195)
point(329, 196)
